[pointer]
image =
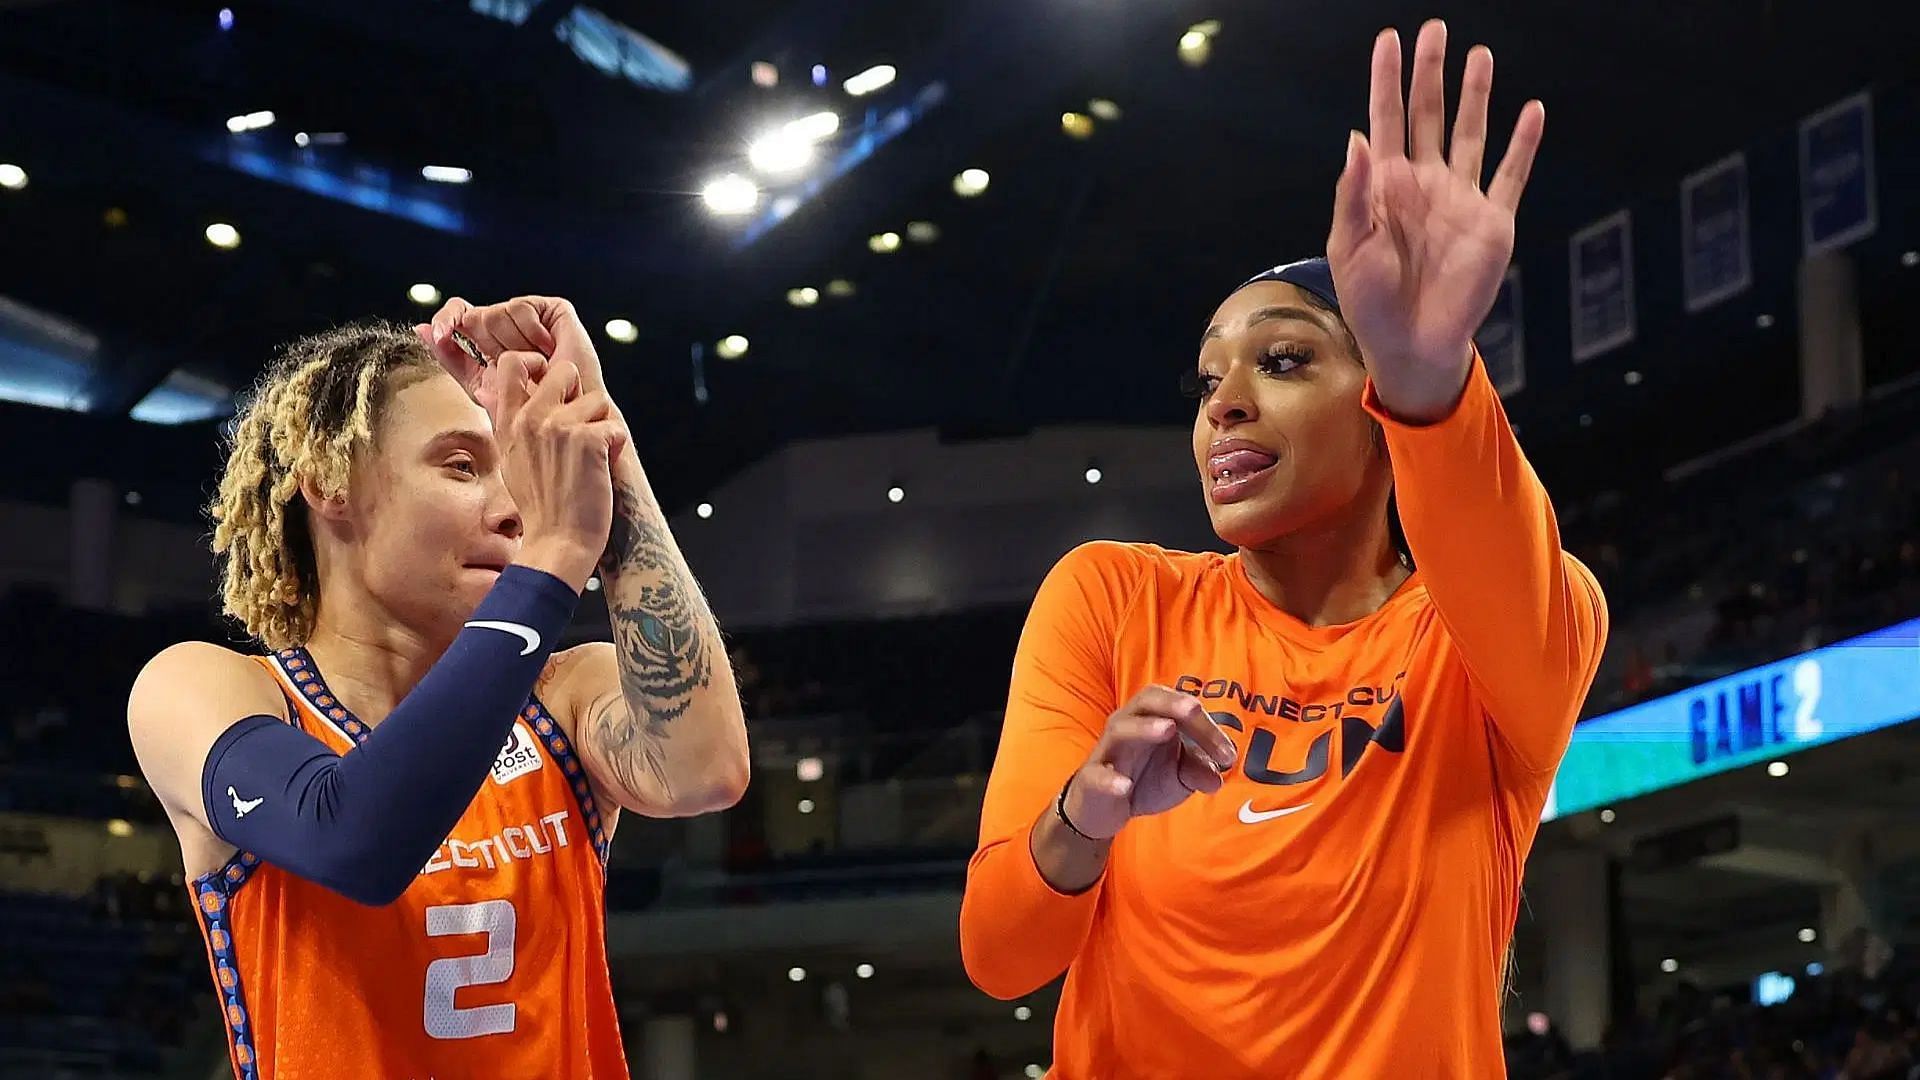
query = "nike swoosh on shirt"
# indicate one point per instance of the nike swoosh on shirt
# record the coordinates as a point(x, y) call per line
point(1250, 816)
point(525, 633)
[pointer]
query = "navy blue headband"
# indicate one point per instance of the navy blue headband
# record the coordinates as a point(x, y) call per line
point(1313, 275)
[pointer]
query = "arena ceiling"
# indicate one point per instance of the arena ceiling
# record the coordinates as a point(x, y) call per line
point(1072, 290)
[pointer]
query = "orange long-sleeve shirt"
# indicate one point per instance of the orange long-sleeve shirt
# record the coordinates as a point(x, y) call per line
point(1342, 906)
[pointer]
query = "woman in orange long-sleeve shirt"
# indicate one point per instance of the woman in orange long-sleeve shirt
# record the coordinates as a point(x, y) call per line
point(1269, 810)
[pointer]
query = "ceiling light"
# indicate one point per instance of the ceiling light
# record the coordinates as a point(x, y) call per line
point(1776, 768)
point(423, 293)
point(782, 151)
point(222, 235)
point(446, 174)
point(253, 121)
point(12, 177)
point(704, 510)
point(1076, 125)
point(730, 194)
point(301, 139)
point(593, 583)
point(884, 243)
point(1764, 322)
point(809, 769)
point(1669, 965)
point(874, 78)
point(120, 827)
point(1021, 1012)
point(1633, 378)
point(806, 806)
point(1910, 259)
point(896, 493)
point(1093, 474)
point(819, 74)
point(805, 296)
point(765, 75)
point(840, 288)
point(971, 182)
point(796, 974)
point(1104, 109)
point(226, 18)
point(1607, 816)
point(731, 347)
point(623, 331)
point(864, 971)
point(922, 232)
point(815, 126)
point(1807, 935)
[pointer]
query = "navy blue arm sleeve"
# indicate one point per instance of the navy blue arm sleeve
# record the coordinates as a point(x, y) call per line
point(364, 822)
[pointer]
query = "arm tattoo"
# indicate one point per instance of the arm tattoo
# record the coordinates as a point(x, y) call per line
point(659, 633)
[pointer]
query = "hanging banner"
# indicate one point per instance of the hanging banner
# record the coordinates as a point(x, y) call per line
point(1836, 175)
point(1600, 259)
point(1715, 241)
point(1502, 338)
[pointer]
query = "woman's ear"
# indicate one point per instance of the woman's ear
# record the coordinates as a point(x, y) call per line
point(320, 504)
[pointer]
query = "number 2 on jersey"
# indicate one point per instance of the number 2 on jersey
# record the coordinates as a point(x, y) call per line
point(444, 1019)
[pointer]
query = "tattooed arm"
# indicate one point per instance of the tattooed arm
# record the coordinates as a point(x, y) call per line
point(655, 716)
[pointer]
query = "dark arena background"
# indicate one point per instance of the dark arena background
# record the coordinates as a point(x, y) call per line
point(895, 298)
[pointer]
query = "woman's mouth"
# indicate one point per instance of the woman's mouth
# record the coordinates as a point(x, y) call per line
point(1236, 474)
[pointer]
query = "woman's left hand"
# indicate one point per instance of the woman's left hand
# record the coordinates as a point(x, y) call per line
point(1417, 249)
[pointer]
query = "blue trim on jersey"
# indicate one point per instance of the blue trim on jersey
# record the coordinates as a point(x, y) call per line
point(569, 762)
point(213, 895)
point(305, 674)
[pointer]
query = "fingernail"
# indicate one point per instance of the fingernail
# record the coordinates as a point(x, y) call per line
point(1353, 146)
point(439, 333)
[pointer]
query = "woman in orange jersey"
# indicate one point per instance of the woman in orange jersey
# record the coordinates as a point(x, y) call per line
point(1268, 811)
point(397, 822)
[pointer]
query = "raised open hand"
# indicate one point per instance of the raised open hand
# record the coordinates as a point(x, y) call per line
point(1417, 248)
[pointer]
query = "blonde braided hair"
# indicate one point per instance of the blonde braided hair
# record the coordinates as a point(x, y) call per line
point(316, 405)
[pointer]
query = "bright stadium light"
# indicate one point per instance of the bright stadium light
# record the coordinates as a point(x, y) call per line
point(253, 121)
point(704, 510)
point(423, 293)
point(971, 182)
point(1093, 474)
point(446, 174)
point(1776, 769)
point(796, 974)
point(731, 347)
point(896, 493)
point(1669, 965)
point(730, 194)
point(1021, 1012)
point(12, 177)
point(863, 971)
point(815, 126)
point(222, 235)
point(874, 78)
point(782, 151)
point(1807, 935)
point(623, 331)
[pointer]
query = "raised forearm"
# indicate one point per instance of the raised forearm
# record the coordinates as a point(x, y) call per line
point(676, 740)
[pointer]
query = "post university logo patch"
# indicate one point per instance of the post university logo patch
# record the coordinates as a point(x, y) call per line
point(518, 756)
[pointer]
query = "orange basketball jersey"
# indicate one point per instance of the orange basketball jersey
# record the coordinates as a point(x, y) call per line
point(493, 963)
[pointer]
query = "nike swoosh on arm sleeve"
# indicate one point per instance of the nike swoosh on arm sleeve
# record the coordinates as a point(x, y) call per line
point(1016, 932)
point(1528, 619)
